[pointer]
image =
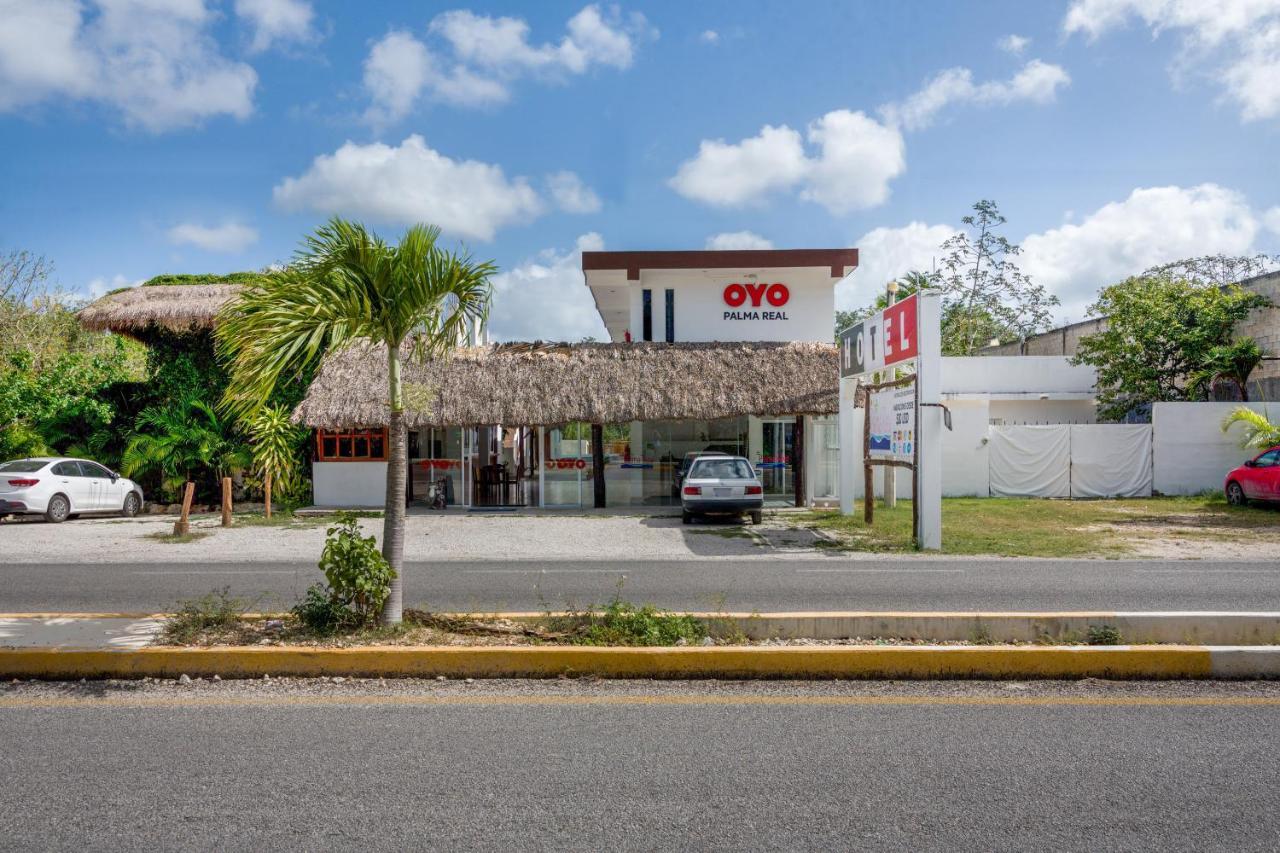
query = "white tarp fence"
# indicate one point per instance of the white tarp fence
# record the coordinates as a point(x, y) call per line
point(1030, 461)
point(1110, 460)
point(1076, 460)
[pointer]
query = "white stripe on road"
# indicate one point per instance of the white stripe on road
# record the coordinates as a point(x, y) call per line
point(545, 571)
point(1207, 571)
point(881, 571)
point(225, 572)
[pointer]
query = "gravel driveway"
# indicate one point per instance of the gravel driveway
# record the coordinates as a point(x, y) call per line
point(427, 537)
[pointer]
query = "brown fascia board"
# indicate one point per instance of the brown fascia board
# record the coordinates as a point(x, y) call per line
point(841, 261)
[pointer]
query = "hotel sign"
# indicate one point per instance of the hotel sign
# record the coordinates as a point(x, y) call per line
point(756, 300)
point(884, 339)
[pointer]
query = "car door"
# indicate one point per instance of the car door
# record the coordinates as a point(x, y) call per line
point(70, 480)
point(1264, 477)
point(103, 487)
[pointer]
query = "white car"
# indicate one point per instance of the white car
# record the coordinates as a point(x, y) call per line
point(60, 488)
point(721, 485)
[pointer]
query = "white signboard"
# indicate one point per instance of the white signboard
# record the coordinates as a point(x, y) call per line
point(893, 423)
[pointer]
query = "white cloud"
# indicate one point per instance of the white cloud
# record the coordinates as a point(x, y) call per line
point(1272, 220)
point(546, 298)
point(571, 194)
point(1153, 225)
point(851, 158)
point(1036, 82)
point(1014, 44)
point(101, 285)
point(479, 57)
point(886, 253)
point(228, 237)
point(277, 21)
point(155, 62)
point(729, 174)
point(1237, 40)
point(412, 183)
point(709, 37)
point(738, 240)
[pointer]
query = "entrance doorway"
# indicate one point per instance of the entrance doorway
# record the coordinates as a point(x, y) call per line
point(777, 458)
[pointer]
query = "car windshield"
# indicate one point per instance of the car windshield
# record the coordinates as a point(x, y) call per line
point(23, 466)
point(720, 469)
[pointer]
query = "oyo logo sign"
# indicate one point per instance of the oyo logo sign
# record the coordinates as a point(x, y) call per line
point(736, 295)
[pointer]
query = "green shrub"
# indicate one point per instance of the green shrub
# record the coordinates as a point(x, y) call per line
point(624, 624)
point(217, 611)
point(359, 578)
point(319, 613)
point(1104, 635)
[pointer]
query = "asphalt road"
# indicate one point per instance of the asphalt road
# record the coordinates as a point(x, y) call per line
point(769, 767)
point(821, 583)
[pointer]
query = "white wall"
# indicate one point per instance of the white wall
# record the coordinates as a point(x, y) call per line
point(349, 484)
point(700, 307)
point(966, 466)
point(1035, 412)
point(1191, 452)
point(1015, 374)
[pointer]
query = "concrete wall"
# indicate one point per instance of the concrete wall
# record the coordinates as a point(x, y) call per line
point(1263, 325)
point(1015, 375)
point(349, 484)
point(1062, 341)
point(1034, 412)
point(1191, 453)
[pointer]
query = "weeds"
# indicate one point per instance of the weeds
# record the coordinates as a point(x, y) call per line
point(621, 623)
point(217, 613)
point(177, 538)
point(1104, 635)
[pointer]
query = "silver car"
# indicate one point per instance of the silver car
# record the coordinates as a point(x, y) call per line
point(721, 485)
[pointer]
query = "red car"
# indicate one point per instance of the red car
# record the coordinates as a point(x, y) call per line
point(1256, 480)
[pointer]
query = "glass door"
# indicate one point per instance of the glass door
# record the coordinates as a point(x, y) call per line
point(776, 458)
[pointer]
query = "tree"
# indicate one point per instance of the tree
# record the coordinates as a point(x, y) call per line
point(180, 442)
point(1163, 336)
point(346, 284)
point(985, 296)
point(1232, 362)
point(908, 284)
point(1259, 431)
point(1216, 269)
point(274, 442)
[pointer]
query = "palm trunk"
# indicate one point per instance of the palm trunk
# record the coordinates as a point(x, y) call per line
point(393, 523)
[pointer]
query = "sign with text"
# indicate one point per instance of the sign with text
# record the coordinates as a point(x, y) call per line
point(885, 338)
point(893, 423)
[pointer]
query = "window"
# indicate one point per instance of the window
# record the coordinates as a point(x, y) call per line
point(671, 315)
point(23, 466)
point(720, 469)
point(92, 470)
point(1268, 460)
point(356, 445)
point(66, 469)
point(647, 297)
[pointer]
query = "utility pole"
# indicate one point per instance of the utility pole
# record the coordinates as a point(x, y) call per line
point(890, 487)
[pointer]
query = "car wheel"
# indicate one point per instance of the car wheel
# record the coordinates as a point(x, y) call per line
point(58, 510)
point(131, 505)
point(1235, 495)
point(686, 517)
point(757, 517)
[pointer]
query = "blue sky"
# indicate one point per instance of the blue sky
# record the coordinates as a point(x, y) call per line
point(151, 136)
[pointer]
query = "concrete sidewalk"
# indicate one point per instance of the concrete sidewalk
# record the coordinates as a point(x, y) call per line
point(78, 630)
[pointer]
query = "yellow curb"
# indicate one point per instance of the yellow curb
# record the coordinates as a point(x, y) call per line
point(914, 662)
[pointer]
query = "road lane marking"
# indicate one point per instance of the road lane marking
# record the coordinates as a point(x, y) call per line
point(1207, 571)
point(225, 572)
point(545, 571)
point(8, 703)
point(881, 571)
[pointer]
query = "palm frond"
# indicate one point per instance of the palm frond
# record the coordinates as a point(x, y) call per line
point(1258, 429)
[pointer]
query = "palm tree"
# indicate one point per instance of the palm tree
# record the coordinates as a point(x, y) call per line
point(180, 442)
point(346, 285)
point(275, 450)
point(1259, 431)
point(1233, 362)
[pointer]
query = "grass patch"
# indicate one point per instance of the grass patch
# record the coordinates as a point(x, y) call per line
point(291, 520)
point(177, 538)
point(621, 623)
point(1029, 527)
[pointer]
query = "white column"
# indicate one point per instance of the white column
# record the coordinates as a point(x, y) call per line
point(929, 421)
point(542, 467)
point(850, 447)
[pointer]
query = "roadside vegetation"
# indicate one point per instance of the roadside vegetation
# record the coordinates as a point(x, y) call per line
point(1026, 527)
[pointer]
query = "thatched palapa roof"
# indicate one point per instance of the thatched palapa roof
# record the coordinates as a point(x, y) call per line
point(533, 384)
point(178, 308)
